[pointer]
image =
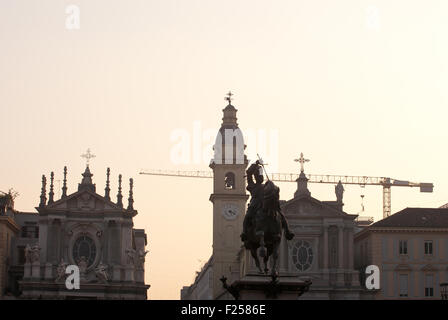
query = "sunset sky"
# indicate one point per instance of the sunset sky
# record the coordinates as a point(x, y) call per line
point(360, 87)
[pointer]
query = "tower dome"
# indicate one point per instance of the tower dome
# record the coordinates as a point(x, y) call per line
point(229, 143)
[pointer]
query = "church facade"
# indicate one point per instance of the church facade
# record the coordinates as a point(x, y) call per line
point(323, 247)
point(321, 251)
point(83, 229)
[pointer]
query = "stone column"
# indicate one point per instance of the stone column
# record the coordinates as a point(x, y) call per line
point(43, 238)
point(351, 253)
point(341, 247)
point(325, 247)
point(340, 274)
point(283, 267)
point(325, 253)
point(63, 248)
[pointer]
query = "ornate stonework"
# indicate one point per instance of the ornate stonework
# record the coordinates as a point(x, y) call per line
point(92, 232)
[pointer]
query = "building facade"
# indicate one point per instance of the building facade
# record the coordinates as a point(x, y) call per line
point(410, 249)
point(84, 229)
point(8, 231)
point(322, 249)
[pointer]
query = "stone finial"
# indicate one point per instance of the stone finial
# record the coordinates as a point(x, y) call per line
point(302, 186)
point(131, 195)
point(302, 180)
point(51, 193)
point(64, 186)
point(107, 189)
point(86, 183)
point(43, 196)
point(119, 195)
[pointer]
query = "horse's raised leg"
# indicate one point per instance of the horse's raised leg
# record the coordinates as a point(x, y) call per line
point(253, 252)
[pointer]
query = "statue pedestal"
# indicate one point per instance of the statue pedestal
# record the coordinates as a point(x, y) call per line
point(129, 273)
point(355, 279)
point(264, 287)
point(340, 278)
point(82, 276)
point(48, 271)
point(35, 270)
point(116, 273)
point(139, 275)
point(27, 270)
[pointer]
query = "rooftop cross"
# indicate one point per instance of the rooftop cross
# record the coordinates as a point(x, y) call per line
point(229, 97)
point(302, 161)
point(88, 156)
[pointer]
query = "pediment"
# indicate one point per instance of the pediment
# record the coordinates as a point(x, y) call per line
point(429, 268)
point(309, 206)
point(403, 267)
point(84, 200)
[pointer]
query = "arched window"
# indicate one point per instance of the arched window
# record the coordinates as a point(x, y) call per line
point(302, 255)
point(229, 181)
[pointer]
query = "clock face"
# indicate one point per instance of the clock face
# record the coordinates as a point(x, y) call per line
point(230, 211)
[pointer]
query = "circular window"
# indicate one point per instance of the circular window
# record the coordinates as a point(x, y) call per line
point(85, 247)
point(302, 255)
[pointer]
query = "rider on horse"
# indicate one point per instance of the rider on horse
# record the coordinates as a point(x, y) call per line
point(253, 215)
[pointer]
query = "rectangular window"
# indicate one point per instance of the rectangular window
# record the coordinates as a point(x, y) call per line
point(403, 285)
point(30, 232)
point(429, 286)
point(428, 247)
point(403, 247)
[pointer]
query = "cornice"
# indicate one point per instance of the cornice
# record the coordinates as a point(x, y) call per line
point(404, 229)
point(8, 221)
point(223, 196)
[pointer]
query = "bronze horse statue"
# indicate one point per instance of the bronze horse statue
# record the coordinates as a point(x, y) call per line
point(264, 221)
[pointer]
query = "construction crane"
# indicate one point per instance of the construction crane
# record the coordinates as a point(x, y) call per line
point(386, 183)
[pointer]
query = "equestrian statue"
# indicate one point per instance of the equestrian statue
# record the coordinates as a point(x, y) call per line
point(264, 222)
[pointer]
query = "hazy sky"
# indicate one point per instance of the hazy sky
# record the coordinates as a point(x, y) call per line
point(359, 86)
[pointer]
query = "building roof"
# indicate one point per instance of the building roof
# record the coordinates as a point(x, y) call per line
point(416, 218)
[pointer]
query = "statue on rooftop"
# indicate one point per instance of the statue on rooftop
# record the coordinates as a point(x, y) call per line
point(339, 190)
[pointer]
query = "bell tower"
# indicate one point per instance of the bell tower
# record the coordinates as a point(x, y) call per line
point(229, 197)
